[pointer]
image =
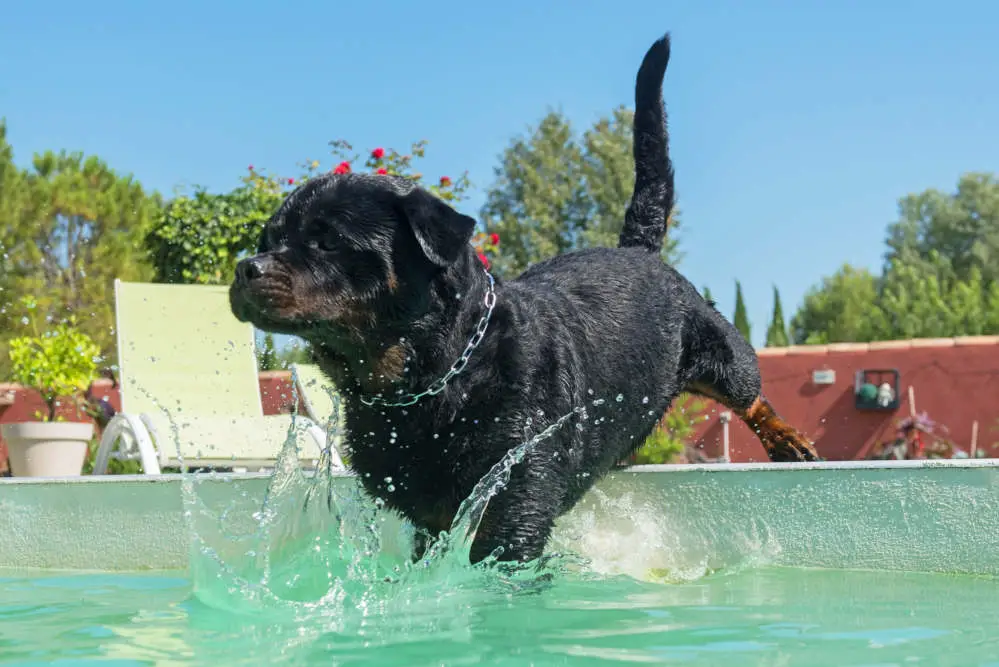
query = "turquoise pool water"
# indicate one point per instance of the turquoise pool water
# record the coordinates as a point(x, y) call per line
point(753, 617)
point(316, 575)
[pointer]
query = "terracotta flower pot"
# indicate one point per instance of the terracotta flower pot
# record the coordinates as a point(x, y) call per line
point(47, 449)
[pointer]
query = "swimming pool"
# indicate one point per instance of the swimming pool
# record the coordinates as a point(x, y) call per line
point(755, 617)
point(760, 564)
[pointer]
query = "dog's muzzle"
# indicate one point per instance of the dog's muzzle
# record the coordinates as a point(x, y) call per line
point(258, 289)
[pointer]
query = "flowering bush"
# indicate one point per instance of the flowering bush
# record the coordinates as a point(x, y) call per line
point(200, 237)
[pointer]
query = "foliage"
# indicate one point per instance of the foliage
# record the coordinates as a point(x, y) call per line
point(270, 358)
point(707, 296)
point(940, 278)
point(267, 355)
point(69, 225)
point(741, 318)
point(200, 236)
point(842, 308)
point(959, 231)
point(673, 432)
point(115, 466)
point(777, 331)
point(58, 363)
point(555, 192)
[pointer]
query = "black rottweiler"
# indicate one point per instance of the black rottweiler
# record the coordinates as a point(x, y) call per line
point(444, 371)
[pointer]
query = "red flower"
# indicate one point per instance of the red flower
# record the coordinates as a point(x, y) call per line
point(445, 181)
point(342, 168)
point(381, 171)
point(494, 238)
point(291, 181)
point(250, 167)
point(484, 259)
point(378, 153)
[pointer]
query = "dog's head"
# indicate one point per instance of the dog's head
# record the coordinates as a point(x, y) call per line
point(346, 253)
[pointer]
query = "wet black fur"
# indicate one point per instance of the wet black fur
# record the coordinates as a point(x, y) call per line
point(615, 331)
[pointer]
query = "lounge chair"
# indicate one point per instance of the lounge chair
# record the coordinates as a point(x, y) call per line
point(190, 391)
point(317, 397)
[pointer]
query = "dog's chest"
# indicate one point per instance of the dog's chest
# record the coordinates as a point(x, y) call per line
point(406, 468)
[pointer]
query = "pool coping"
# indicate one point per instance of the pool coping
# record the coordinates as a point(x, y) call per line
point(927, 515)
point(650, 468)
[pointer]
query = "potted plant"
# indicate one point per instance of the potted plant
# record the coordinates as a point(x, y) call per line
point(59, 364)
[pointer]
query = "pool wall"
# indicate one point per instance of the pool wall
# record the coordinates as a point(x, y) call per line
point(934, 516)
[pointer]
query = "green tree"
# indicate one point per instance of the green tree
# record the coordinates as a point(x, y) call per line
point(957, 231)
point(12, 211)
point(296, 353)
point(777, 331)
point(555, 192)
point(741, 319)
point(70, 225)
point(940, 277)
point(707, 295)
point(267, 356)
point(843, 308)
point(926, 299)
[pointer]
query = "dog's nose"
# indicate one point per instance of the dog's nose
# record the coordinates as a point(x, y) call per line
point(252, 268)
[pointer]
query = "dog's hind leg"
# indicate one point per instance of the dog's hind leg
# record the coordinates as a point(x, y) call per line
point(720, 364)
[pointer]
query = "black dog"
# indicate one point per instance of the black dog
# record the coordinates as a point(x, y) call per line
point(441, 373)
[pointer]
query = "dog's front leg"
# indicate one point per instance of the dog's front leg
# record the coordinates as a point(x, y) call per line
point(519, 520)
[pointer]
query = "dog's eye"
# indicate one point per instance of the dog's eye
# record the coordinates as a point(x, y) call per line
point(323, 238)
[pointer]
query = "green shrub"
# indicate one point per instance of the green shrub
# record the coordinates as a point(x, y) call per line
point(673, 432)
point(59, 362)
point(115, 467)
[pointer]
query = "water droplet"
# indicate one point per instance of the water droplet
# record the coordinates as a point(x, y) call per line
point(619, 398)
point(645, 400)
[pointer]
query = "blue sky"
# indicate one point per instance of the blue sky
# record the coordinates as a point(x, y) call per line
point(795, 125)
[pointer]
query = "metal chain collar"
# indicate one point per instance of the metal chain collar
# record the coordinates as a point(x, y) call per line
point(438, 385)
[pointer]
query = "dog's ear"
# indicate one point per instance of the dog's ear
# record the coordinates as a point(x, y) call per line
point(440, 230)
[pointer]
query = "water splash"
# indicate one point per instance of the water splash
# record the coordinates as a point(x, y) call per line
point(318, 548)
point(320, 558)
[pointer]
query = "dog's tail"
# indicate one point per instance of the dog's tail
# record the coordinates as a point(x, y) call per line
point(648, 214)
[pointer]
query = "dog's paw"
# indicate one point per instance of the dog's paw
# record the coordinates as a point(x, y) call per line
point(793, 449)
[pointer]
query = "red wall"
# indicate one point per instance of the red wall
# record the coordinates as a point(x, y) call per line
point(956, 381)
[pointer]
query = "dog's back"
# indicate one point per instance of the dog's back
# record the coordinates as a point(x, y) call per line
point(608, 323)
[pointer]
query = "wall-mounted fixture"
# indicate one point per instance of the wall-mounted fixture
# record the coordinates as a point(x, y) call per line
point(876, 389)
point(824, 376)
